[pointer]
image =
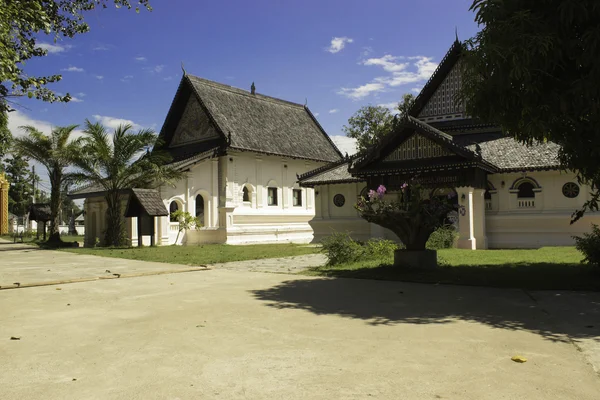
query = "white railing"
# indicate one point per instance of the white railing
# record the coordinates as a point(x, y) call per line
point(488, 205)
point(526, 203)
point(174, 226)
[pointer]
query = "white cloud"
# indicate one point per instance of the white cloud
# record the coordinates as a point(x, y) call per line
point(366, 51)
point(112, 122)
point(170, 78)
point(316, 114)
point(362, 91)
point(72, 69)
point(345, 144)
point(415, 69)
point(416, 89)
point(99, 77)
point(127, 78)
point(338, 43)
point(157, 69)
point(53, 48)
point(333, 111)
point(140, 58)
point(76, 100)
point(101, 47)
point(81, 94)
point(392, 106)
point(16, 119)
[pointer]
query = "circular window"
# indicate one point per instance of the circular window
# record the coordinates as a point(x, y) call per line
point(570, 190)
point(339, 200)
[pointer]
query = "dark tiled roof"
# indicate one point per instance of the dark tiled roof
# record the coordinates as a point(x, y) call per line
point(39, 212)
point(264, 124)
point(150, 200)
point(329, 174)
point(509, 155)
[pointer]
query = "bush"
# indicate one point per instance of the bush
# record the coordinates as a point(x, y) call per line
point(589, 245)
point(442, 238)
point(380, 248)
point(341, 248)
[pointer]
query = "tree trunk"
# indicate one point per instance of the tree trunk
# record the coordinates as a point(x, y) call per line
point(115, 220)
point(55, 182)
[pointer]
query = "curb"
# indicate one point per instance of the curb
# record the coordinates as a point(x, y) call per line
point(98, 278)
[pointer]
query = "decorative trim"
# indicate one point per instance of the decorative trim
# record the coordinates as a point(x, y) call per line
point(519, 181)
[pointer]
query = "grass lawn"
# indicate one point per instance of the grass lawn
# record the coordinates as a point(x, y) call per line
point(203, 254)
point(540, 269)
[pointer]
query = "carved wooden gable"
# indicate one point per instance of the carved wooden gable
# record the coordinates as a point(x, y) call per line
point(194, 125)
point(443, 101)
point(418, 147)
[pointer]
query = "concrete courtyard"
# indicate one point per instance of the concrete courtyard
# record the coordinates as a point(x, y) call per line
point(232, 334)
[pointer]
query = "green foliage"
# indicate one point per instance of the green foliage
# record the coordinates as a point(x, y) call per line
point(55, 152)
point(117, 162)
point(589, 245)
point(371, 123)
point(340, 248)
point(22, 22)
point(186, 221)
point(368, 125)
point(5, 136)
point(21, 184)
point(442, 238)
point(533, 68)
point(380, 248)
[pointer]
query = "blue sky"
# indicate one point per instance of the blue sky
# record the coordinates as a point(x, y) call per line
point(336, 54)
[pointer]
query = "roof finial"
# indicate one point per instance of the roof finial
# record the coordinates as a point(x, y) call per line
point(183, 69)
point(253, 89)
point(456, 33)
point(305, 101)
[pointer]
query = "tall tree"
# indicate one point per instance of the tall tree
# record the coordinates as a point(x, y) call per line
point(21, 184)
point(21, 22)
point(404, 106)
point(533, 68)
point(5, 136)
point(54, 152)
point(119, 161)
point(368, 125)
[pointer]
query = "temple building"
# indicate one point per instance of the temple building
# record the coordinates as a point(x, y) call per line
point(508, 195)
point(262, 170)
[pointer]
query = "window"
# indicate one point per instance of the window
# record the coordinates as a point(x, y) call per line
point(339, 200)
point(297, 195)
point(272, 196)
point(200, 208)
point(526, 191)
point(172, 208)
point(245, 194)
point(570, 190)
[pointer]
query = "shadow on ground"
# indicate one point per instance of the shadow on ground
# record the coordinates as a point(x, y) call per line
point(386, 303)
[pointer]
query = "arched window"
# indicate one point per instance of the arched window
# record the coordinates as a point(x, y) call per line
point(526, 190)
point(172, 208)
point(245, 194)
point(200, 208)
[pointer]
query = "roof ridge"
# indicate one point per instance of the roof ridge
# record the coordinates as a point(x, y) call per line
point(243, 92)
point(326, 167)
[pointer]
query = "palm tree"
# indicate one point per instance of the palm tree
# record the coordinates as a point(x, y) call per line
point(119, 161)
point(54, 152)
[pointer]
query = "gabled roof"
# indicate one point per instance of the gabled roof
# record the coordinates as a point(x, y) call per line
point(440, 73)
point(253, 122)
point(405, 128)
point(145, 201)
point(337, 172)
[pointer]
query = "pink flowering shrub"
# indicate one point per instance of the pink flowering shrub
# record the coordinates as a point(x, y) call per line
point(413, 217)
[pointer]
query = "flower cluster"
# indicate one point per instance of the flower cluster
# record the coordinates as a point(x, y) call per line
point(374, 195)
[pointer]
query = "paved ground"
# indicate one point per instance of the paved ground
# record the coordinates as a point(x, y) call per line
point(232, 334)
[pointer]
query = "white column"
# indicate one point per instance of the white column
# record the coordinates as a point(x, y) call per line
point(259, 184)
point(471, 218)
point(213, 211)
